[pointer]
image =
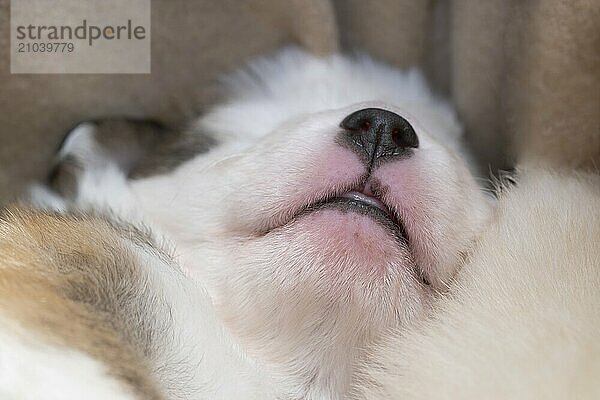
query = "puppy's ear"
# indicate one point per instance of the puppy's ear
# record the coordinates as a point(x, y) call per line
point(75, 154)
point(137, 148)
point(119, 144)
point(124, 142)
point(170, 149)
point(78, 152)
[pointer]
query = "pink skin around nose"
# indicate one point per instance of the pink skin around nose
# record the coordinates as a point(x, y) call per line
point(421, 199)
point(339, 168)
point(343, 233)
point(333, 171)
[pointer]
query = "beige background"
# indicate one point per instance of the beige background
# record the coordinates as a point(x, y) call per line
point(525, 75)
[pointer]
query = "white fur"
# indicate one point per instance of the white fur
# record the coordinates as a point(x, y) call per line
point(271, 90)
point(41, 197)
point(273, 143)
point(31, 369)
point(195, 357)
point(522, 320)
point(297, 310)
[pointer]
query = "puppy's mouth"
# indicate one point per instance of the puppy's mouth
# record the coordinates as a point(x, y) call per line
point(355, 201)
point(369, 205)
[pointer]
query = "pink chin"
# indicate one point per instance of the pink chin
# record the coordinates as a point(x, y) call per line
point(348, 235)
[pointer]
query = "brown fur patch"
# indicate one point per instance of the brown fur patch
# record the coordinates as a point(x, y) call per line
point(66, 279)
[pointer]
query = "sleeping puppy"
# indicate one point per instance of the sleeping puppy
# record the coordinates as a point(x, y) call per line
point(521, 320)
point(334, 206)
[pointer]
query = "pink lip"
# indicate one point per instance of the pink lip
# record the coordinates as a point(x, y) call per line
point(358, 196)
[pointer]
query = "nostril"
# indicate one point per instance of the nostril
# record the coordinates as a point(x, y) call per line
point(405, 137)
point(365, 125)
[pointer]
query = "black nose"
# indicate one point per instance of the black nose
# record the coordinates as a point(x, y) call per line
point(379, 134)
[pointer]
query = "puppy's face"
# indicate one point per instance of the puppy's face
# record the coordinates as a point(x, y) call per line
point(341, 222)
point(319, 221)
